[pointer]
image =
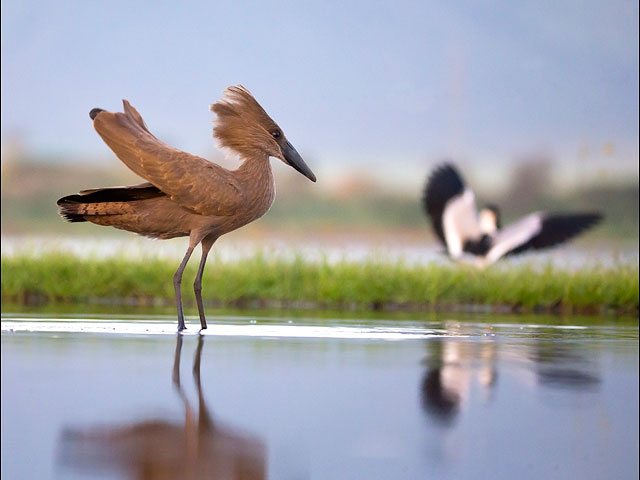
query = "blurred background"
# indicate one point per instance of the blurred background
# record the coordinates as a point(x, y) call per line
point(537, 102)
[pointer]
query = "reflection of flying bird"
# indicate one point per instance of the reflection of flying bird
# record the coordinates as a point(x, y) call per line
point(462, 230)
point(452, 366)
point(188, 195)
point(199, 448)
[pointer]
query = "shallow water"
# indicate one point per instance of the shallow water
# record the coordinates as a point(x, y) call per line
point(115, 396)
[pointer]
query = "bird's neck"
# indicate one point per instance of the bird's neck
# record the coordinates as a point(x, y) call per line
point(255, 169)
point(256, 176)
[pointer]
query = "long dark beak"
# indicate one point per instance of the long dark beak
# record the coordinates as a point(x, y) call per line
point(294, 159)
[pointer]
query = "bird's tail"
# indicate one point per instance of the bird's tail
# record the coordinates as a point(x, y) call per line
point(104, 201)
point(73, 211)
point(70, 211)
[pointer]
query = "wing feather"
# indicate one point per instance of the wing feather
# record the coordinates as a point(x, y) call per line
point(442, 185)
point(538, 231)
point(189, 180)
point(460, 222)
point(514, 236)
point(558, 228)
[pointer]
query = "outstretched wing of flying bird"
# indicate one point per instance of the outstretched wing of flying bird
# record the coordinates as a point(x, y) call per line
point(558, 228)
point(540, 230)
point(191, 181)
point(452, 209)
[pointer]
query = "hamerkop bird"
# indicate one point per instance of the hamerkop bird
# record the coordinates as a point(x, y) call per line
point(187, 195)
point(452, 209)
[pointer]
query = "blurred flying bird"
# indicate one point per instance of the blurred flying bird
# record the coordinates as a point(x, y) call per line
point(187, 195)
point(463, 230)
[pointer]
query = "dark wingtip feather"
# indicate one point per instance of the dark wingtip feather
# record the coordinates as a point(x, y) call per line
point(94, 113)
point(595, 217)
point(589, 220)
point(442, 184)
point(557, 228)
point(577, 222)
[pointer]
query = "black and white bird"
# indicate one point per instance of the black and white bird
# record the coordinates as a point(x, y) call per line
point(464, 231)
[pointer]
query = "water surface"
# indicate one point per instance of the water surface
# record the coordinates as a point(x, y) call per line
point(115, 396)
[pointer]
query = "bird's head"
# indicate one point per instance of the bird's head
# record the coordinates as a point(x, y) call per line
point(490, 219)
point(243, 126)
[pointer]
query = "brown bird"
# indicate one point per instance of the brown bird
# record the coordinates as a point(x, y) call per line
point(187, 195)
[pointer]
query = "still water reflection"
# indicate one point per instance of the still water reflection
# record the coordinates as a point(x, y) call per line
point(196, 448)
point(478, 397)
point(452, 367)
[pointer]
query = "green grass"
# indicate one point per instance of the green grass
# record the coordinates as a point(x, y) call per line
point(373, 284)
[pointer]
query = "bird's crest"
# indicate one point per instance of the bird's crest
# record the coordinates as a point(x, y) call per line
point(242, 125)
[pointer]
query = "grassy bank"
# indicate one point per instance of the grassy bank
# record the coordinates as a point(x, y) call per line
point(262, 280)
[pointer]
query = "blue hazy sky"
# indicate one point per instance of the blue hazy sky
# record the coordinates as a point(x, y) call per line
point(347, 81)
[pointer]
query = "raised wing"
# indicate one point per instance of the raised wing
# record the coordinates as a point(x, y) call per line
point(189, 180)
point(443, 184)
point(514, 236)
point(539, 230)
point(558, 228)
point(460, 223)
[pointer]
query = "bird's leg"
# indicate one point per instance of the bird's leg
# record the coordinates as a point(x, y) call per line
point(204, 417)
point(176, 363)
point(188, 412)
point(177, 280)
point(207, 243)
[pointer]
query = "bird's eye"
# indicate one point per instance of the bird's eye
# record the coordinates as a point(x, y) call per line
point(276, 134)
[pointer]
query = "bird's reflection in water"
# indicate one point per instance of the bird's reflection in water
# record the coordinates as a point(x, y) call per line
point(563, 364)
point(452, 367)
point(158, 449)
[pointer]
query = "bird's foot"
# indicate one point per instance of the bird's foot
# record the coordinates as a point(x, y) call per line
point(203, 322)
